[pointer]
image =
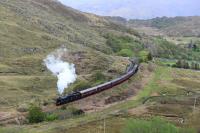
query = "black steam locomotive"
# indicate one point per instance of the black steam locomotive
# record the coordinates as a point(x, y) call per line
point(132, 69)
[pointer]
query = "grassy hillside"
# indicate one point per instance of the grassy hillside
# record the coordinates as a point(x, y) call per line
point(30, 30)
point(169, 93)
point(99, 48)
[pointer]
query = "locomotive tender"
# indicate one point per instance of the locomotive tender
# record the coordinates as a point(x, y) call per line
point(133, 68)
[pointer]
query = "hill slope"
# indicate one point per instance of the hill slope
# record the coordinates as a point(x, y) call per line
point(170, 26)
point(31, 29)
point(177, 26)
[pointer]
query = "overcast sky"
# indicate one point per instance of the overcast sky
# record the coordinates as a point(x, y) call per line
point(141, 9)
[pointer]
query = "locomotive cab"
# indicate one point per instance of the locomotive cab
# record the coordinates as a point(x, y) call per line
point(58, 101)
point(69, 98)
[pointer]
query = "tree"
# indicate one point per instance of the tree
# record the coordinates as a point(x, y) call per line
point(193, 65)
point(145, 56)
point(197, 66)
point(186, 65)
point(35, 114)
point(179, 64)
point(150, 56)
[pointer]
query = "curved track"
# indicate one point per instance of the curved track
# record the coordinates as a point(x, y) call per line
point(132, 69)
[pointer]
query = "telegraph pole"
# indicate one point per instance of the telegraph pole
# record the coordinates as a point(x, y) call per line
point(104, 126)
point(195, 101)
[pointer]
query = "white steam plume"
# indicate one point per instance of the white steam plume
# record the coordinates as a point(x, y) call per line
point(65, 72)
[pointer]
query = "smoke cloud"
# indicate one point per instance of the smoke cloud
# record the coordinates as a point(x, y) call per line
point(64, 71)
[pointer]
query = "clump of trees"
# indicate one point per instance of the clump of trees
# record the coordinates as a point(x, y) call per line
point(186, 65)
point(195, 66)
point(123, 45)
point(182, 64)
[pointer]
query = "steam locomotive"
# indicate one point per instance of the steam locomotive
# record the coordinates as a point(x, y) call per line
point(132, 69)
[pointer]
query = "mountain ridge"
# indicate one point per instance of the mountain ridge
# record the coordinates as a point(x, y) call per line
point(172, 26)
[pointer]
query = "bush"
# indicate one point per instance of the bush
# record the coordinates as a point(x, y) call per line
point(51, 117)
point(145, 56)
point(98, 77)
point(125, 53)
point(35, 114)
point(81, 85)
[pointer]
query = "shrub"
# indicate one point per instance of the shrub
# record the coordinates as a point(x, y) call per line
point(51, 117)
point(145, 56)
point(81, 85)
point(125, 53)
point(98, 77)
point(35, 114)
